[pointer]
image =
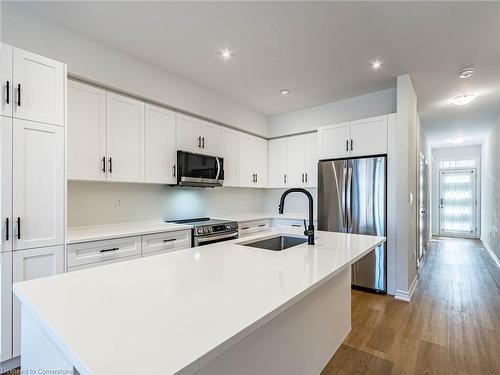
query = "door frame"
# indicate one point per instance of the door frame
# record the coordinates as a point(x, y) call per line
point(423, 158)
point(476, 232)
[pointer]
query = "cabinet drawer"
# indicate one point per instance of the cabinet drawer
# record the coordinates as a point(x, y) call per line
point(99, 264)
point(251, 227)
point(101, 251)
point(164, 242)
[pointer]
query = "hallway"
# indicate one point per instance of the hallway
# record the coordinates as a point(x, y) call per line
point(451, 326)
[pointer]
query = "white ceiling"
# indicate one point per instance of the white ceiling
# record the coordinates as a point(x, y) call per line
point(321, 51)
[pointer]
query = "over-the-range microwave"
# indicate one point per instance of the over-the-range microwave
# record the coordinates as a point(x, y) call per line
point(199, 170)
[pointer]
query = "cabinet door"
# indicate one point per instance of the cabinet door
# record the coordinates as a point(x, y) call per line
point(260, 161)
point(297, 160)
point(228, 140)
point(332, 141)
point(188, 134)
point(369, 136)
point(311, 160)
point(6, 306)
point(246, 160)
point(278, 154)
point(28, 265)
point(38, 87)
point(6, 80)
point(124, 138)
point(160, 156)
point(210, 139)
point(38, 184)
point(6, 183)
point(86, 132)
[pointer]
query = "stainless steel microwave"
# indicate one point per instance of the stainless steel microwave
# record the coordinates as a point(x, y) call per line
point(199, 170)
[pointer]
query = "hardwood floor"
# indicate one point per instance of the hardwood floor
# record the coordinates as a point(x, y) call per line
point(451, 326)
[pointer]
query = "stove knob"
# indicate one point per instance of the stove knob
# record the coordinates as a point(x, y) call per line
point(199, 230)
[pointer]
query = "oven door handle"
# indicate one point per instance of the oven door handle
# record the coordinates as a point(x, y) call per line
point(216, 237)
point(218, 168)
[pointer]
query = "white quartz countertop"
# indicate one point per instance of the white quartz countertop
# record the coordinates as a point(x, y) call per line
point(108, 231)
point(174, 312)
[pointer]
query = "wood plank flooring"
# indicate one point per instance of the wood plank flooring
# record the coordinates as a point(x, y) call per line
point(451, 326)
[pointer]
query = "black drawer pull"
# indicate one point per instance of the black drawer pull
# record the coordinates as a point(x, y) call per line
point(170, 240)
point(18, 228)
point(7, 96)
point(104, 164)
point(296, 225)
point(110, 165)
point(106, 250)
point(245, 228)
point(262, 225)
point(6, 229)
point(19, 95)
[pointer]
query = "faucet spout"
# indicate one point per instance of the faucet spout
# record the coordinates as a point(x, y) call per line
point(309, 231)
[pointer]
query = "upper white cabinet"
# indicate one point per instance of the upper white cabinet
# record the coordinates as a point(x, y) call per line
point(228, 141)
point(196, 135)
point(160, 153)
point(6, 79)
point(38, 184)
point(369, 136)
point(86, 132)
point(357, 138)
point(38, 88)
point(293, 161)
point(28, 265)
point(333, 141)
point(252, 161)
point(124, 138)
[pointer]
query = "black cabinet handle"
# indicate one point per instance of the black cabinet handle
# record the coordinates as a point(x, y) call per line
point(302, 177)
point(245, 228)
point(107, 250)
point(7, 96)
point(256, 177)
point(173, 171)
point(18, 228)
point(306, 178)
point(170, 240)
point(296, 225)
point(110, 165)
point(347, 145)
point(262, 225)
point(6, 229)
point(203, 142)
point(199, 142)
point(284, 178)
point(104, 164)
point(351, 145)
point(18, 94)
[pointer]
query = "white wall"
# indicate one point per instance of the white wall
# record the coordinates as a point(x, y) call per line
point(295, 203)
point(96, 62)
point(490, 189)
point(91, 203)
point(373, 104)
point(453, 153)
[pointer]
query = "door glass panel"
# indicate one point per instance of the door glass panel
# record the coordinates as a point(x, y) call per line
point(458, 202)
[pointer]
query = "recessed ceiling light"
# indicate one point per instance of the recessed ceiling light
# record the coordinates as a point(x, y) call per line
point(458, 140)
point(466, 72)
point(463, 99)
point(284, 91)
point(377, 64)
point(226, 54)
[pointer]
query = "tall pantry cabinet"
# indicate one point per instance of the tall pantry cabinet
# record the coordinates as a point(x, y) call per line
point(32, 180)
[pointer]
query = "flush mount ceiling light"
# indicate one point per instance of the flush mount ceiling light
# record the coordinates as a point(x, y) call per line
point(377, 64)
point(226, 54)
point(458, 140)
point(463, 99)
point(284, 91)
point(466, 72)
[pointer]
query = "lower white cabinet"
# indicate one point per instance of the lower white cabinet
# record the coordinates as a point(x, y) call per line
point(248, 228)
point(6, 306)
point(97, 252)
point(164, 242)
point(27, 265)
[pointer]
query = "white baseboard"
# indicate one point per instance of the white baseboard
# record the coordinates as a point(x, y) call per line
point(492, 254)
point(403, 295)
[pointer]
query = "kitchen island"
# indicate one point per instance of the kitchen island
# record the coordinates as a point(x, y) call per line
point(223, 308)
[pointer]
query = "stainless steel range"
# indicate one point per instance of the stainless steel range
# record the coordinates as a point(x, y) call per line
point(206, 231)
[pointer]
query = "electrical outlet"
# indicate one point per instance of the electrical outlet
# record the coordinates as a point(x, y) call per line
point(119, 203)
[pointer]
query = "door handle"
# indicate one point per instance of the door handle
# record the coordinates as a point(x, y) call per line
point(18, 94)
point(6, 229)
point(199, 142)
point(104, 164)
point(110, 165)
point(18, 228)
point(7, 96)
point(203, 142)
point(173, 171)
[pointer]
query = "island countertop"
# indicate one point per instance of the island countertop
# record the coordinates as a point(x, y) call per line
point(175, 312)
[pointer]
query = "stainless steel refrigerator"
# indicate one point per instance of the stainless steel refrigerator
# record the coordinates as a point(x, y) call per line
point(352, 199)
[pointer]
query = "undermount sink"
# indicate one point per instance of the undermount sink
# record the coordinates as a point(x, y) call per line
point(276, 243)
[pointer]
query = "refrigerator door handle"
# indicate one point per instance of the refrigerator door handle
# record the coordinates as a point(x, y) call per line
point(344, 197)
point(348, 200)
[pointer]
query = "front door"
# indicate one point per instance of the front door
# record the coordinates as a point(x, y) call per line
point(423, 196)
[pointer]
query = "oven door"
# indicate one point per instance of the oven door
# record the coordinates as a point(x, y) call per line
point(207, 240)
point(199, 170)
